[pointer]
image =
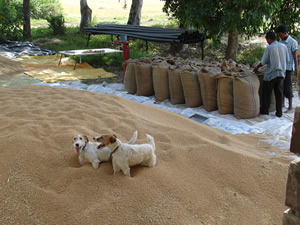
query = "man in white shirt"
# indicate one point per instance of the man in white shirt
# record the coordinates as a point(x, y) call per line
point(292, 64)
point(275, 56)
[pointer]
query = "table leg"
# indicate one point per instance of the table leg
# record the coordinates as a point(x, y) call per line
point(76, 61)
point(89, 36)
point(61, 55)
point(75, 65)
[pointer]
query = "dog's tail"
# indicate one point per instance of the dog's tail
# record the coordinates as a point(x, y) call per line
point(151, 141)
point(133, 139)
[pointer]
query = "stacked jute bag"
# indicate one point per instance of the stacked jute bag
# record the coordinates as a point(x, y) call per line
point(227, 87)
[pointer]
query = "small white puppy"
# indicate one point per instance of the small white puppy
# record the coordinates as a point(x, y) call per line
point(88, 152)
point(125, 155)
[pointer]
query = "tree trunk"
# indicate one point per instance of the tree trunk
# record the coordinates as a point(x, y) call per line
point(86, 15)
point(233, 44)
point(135, 12)
point(26, 26)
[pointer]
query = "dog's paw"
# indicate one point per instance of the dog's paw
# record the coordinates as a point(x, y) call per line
point(127, 172)
point(96, 165)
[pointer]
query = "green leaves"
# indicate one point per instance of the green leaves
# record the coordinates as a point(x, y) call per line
point(10, 22)
point(57, 24)
point(216, 17)
point(288, 13)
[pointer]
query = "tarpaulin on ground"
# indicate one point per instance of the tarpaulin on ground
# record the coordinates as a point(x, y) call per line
point(46, 69)
point(16, 49)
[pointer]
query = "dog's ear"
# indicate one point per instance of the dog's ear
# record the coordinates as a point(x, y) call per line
point(113, 139)
point(86, 138)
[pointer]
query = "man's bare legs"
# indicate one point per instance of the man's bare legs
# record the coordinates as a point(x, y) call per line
point(290, 107)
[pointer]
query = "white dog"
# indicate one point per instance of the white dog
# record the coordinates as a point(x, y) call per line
point(88, 152)
point(125, 155)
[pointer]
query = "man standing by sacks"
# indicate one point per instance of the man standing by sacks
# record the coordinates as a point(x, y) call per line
point(276, 57)
point(292, 65)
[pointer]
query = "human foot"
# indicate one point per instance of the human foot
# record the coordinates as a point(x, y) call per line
point(288, 111)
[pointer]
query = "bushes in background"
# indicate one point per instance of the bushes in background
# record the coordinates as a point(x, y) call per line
point(10, 26)
point(57, 24)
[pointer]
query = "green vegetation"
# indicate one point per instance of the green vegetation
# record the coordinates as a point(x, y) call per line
point(10, 26)
point(42, 9)
point(251, 54)
point(288, 14)
point(217, 18)
point(57, 24)
point(61, 36)
point(11, 16)
point(72, 39)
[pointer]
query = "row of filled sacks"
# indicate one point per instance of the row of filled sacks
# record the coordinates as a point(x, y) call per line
point(228, 92)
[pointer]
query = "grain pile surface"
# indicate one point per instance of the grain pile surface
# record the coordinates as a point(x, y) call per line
point(203, 175)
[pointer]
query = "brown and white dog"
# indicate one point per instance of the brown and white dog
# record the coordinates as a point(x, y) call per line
point(126, 155)
point(88, 152)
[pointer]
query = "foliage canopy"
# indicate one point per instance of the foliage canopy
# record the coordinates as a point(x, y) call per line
point(214, 17)
point(289, 14)
point(248, 17)
point(12, 16)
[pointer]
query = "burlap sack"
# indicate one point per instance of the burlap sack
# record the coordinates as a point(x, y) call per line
point(295, 141)
point(143, 75)
point(160, 80)
point(225, 93)
point(191, 88)
point(228, 66)
point(208, 87)
point(129, 78)
point(246, 96)
point(175, 86)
